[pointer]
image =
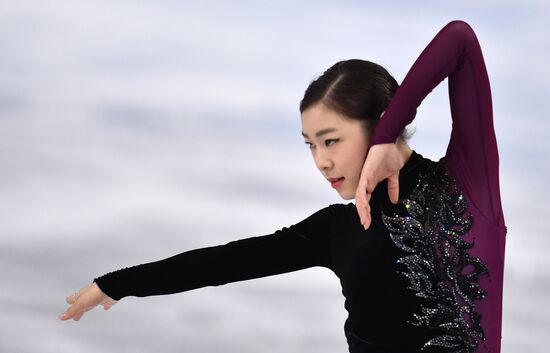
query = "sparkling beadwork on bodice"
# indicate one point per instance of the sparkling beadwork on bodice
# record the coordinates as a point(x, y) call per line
point(431, 230)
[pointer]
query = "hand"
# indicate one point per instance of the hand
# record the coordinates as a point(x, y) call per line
point(84, 300)
point(383, 161)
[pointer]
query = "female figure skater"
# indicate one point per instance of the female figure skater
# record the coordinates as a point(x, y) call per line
point(420, 255)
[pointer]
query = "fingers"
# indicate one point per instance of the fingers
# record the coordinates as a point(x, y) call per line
point(382, 162)
point(71, 312)
point(367, 217)
point(393, 188)
point(71, 299)
point(76, 310)
point(108, 304)
point(84, 300)
point(78, 315)
point(362, 199)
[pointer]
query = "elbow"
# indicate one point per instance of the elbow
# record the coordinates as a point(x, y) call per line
point(459, 26)
point(462, 35)
point(461, 30)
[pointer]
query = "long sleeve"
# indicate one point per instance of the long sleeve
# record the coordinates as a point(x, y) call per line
point(302, 245)
point(472, 155)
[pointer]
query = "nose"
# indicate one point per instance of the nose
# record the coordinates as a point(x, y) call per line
point(323, 160)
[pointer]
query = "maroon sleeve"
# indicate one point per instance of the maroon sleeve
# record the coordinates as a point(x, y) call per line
point(472, 155)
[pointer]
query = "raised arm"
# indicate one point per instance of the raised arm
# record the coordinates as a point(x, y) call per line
point(472, 155)
point(302, 245)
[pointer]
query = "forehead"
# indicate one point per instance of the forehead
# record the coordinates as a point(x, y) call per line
point(319, 117)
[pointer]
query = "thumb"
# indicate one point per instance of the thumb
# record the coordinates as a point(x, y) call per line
point(108, 306)
point(393, 187)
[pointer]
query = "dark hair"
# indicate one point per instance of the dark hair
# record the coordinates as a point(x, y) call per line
point(358, 89)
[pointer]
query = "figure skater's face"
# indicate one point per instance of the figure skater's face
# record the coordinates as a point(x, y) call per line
point(338, 145)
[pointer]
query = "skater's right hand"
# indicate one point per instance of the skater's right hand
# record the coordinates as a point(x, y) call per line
point(84, 300)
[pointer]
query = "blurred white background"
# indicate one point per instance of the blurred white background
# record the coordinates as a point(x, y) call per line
point(134, 130)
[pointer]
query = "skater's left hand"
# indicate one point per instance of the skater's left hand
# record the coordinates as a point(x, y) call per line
point(383, 161)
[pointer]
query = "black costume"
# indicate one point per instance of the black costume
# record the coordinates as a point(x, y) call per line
point(428, 273)
point(365, 261)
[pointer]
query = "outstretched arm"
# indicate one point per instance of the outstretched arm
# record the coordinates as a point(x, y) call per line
point(289, 249)
point(472, 156)
point(302, 245)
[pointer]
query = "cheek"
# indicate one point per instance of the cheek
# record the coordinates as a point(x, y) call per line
point(355, 167)
point(356, 164)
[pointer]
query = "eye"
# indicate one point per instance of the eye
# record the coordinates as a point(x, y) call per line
point(327, 142)
point(310, 145)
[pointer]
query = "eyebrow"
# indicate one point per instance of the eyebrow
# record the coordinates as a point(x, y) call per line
point(321, 132)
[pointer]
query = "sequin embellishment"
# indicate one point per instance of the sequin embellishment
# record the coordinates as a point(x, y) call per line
point(431, 231)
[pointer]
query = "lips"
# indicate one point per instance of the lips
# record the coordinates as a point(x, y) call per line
point(336, 182)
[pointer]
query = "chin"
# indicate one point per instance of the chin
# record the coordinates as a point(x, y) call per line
point(347, 196)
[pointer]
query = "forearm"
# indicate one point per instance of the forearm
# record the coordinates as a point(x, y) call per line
point(185, 271)
point(441, 57)
point(255, 257)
